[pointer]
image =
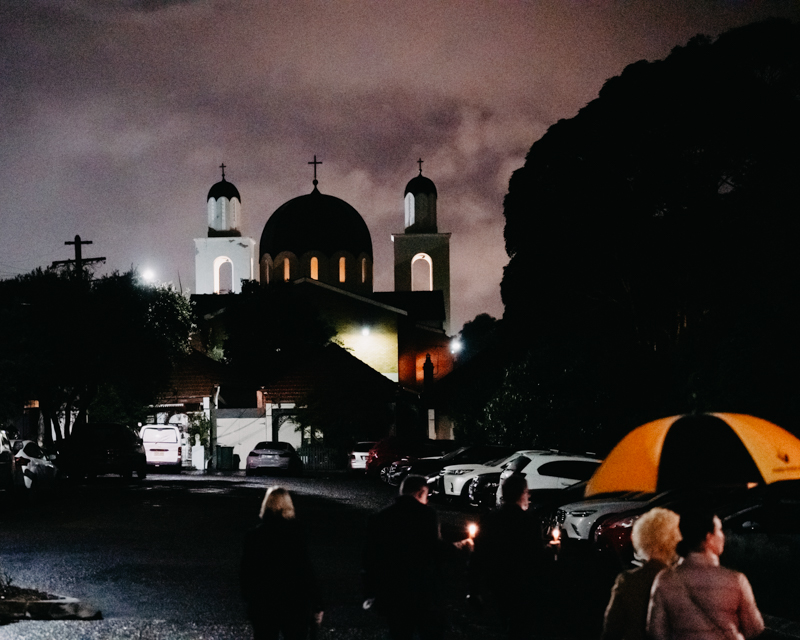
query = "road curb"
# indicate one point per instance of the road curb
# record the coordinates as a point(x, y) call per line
point(58, 608)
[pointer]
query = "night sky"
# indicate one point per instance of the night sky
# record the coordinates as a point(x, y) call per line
point(117, 114)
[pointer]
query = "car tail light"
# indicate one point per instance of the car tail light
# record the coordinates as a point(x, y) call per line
point(180, 453)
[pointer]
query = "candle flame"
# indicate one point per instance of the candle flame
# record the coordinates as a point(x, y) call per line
point(473, 529)
point(556, 534)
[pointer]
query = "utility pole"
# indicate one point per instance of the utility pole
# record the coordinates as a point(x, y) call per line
point(79, 260)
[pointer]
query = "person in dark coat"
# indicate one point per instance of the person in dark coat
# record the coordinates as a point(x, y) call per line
point(278, 582)
point(655, 536)
point(402, 564)
point(508, 564)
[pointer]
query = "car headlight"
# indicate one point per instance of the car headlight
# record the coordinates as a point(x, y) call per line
point(582, 513)
point(460, 472)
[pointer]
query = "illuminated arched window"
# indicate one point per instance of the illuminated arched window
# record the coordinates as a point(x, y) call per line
point(363, 270)
point(223, 275)
point(315, 268)
point(286, 269)
point(341, 269)
point(422, 273)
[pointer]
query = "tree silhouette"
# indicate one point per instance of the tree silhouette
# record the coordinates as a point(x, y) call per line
point(659, 227)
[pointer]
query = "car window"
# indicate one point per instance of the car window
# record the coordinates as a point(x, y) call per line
point(154, 434)
point(572, 469)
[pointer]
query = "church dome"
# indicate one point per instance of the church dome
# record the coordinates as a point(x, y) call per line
point(420, 184)
point(316, 222)
point(223, 189)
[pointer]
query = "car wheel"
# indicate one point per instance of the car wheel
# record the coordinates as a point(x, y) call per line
point(141, 473)
point(127, 474)
point(384, 473)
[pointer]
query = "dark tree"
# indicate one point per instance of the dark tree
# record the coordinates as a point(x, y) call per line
point(658, 229)
point(70, 341)
point(478, 334)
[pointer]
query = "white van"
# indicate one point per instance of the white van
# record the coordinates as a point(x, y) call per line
point(162, 445)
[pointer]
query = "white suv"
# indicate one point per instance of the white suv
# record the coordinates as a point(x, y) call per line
point(455, 478)
point(548, 469)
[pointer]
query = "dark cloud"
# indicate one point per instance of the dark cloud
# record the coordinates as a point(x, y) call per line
point(117, 114)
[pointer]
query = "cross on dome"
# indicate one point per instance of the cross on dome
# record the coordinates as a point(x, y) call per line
point(419, 162)
point(222, 166)
point(315, 163)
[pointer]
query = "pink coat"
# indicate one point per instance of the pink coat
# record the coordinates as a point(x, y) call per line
point(680, 596)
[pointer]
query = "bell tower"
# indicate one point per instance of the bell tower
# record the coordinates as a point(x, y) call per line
point(421, 253)
point(224, 258)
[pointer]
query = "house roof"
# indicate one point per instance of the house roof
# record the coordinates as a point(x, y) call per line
point(193, 378)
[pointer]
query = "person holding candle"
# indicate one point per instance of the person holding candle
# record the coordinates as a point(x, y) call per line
point(277, 579)
point(403, 564)
point(509, 560)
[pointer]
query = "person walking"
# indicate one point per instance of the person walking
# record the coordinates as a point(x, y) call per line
point(509, 560)
point(655, 536)
point(699, 599)
point(278, 582)
point(403, 562)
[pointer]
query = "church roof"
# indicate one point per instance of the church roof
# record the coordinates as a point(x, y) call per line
point(223, 189)
point(420, 184)
point(316, 222)
point(420, 305)
point(332, 363)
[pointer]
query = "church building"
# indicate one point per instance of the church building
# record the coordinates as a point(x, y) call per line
point(322, 245)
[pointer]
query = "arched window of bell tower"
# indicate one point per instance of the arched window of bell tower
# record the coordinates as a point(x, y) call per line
point(421, 272)
point(314, 268)
point(223, 275)
point(342, 271)
point(287, 270)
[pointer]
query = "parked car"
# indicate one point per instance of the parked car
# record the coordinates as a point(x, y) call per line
point(393, 448)
point(162, 446)
point(482, 489)
point(100, 448)
point(767, 509)
point(33, 469)
point(431, 467)
point(548, 469)
point(454, 479)
point(6, 462)
point(357, 458)
point(273, 456)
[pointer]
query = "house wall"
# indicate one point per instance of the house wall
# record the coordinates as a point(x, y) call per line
point(242, 429)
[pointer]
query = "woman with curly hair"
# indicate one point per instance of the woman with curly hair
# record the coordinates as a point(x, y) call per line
point(655, 536)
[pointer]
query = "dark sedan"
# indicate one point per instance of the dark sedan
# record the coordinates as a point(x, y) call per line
point(430, 467)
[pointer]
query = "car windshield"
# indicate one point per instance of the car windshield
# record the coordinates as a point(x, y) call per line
point(497, 462)
point(273, 445)
point(454, 455)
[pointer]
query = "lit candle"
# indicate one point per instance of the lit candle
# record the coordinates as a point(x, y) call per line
point(473, 529)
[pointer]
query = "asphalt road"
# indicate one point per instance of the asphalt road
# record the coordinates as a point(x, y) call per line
point(160, 558)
